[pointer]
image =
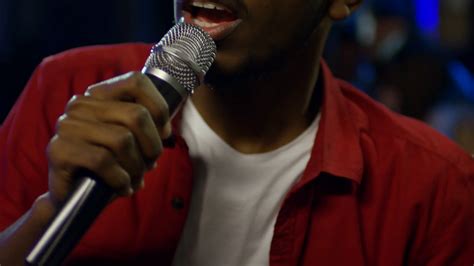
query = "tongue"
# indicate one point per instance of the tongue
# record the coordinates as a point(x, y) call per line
point(214, 15)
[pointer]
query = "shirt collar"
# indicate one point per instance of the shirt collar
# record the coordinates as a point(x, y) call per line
point(337, 149)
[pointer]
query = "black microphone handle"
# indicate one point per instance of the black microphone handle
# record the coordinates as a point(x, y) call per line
point(84, 204)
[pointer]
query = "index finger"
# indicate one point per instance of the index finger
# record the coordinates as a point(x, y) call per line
point(134, 87)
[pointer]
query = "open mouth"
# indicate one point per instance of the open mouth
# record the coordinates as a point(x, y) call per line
point(215, 18)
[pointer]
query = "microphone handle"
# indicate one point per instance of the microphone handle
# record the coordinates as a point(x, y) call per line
point(85, 203)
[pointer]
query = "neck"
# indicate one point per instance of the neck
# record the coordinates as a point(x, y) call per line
point(272, 110)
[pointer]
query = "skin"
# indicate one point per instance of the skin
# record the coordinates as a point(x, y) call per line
point(251, 77)
point(118, 125)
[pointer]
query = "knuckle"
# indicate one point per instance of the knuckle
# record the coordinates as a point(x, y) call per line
point(76, 102)
point(52, 149)
point(136, 79)
point(124, 141)
point(138, 116)
point(61, 123)
point(138, 173)
point(65, 125)
point(94, 90)
point(156, 152)
point(163, 113)
point(122, 181)
point(100, 160)
point(72, 100)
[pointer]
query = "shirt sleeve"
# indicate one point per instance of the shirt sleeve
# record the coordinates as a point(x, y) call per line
point(450, 233)
point(24, 136)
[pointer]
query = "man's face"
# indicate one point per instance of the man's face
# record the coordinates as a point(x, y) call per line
point(250, 34)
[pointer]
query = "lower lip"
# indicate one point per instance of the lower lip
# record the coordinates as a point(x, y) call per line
point(218, 32)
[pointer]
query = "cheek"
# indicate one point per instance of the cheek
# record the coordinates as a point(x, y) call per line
point(270, 21)
point(281, 26)
point(233, 61)
point(270, 29)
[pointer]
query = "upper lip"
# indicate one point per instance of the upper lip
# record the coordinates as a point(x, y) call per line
point(235, 7)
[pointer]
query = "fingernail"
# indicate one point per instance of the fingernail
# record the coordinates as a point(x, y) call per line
point(155, 165)
point(142, 184)
point(130, 192)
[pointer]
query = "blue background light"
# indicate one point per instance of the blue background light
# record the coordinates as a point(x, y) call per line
point(463, 79)
point(427, 15)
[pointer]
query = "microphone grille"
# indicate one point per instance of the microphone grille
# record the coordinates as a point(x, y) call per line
point(192, 45)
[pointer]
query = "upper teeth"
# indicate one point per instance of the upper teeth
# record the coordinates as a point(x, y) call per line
point(208, 5)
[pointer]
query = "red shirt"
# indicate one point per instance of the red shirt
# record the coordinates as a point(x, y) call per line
point(380, 188)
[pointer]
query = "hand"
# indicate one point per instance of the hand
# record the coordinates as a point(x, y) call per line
point(114, 130)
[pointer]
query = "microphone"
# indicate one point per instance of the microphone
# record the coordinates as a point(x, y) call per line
point(176, 66)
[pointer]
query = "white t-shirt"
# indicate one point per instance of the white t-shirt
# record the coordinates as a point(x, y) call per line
point(236, 197)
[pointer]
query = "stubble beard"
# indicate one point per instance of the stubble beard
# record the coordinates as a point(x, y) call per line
point(258, 69)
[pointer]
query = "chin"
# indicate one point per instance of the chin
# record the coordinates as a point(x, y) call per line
point(227, 67)
point(242, 66)
point(222, 76)
point(231, 62)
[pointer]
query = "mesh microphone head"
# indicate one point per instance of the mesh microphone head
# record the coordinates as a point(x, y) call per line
point(194, 53)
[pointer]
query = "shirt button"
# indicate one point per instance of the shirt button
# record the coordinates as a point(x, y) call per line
point(177, 203)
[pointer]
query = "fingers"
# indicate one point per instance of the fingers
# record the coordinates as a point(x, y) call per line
point(114, 130)
point(135, 87)
point(70, 155)
point(119, 140)
point(133, 117)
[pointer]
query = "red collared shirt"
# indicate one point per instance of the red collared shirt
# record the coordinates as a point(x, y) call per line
point(379, 189)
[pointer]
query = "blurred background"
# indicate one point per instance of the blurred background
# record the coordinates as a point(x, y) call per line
point(414, 56)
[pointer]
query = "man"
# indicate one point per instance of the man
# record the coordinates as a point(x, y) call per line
point(278, 164)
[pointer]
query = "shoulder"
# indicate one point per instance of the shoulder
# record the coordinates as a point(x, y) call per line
point(382, 125)
point(65, 74)
point(26, 131)
point(411, 165)
point(102, 55)
point(117, 58)
point(406, 159)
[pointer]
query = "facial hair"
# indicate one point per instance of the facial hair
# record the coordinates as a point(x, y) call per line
point(254, 69)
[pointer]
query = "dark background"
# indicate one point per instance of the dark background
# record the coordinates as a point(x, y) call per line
point(415, 56)
point(33, 29)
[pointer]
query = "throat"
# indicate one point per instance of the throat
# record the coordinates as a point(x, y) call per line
point(249, 127)
point(259, 114)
